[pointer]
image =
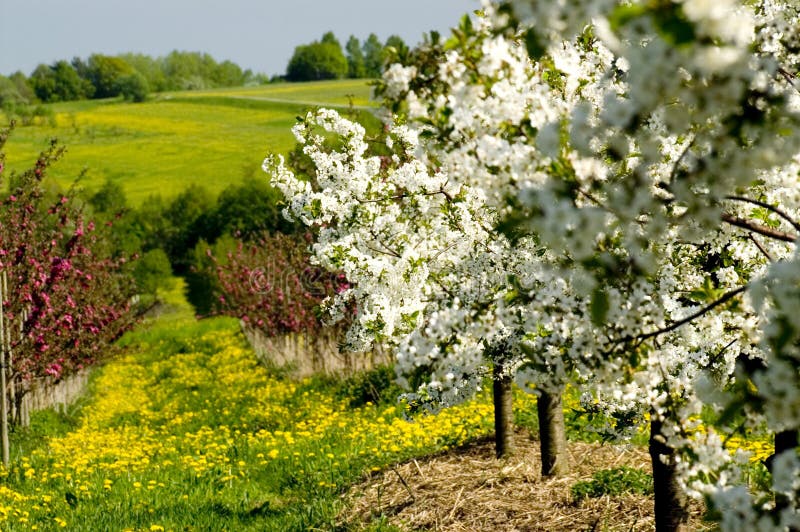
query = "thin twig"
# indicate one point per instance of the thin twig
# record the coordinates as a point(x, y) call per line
point(593, 199)
point(455, 506)
point(789, 77)
point(386, 249)
point(722, 351)
point(403, 481)
point(674, 325)
point(418, 469)
point(407, 195)
point(390, 252)
point(674, 172)
point(767, 206)
point(758, 228)
point(760, 247)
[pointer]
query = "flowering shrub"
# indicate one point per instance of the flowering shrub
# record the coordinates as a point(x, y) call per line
point(271, 285)
point(65, 300)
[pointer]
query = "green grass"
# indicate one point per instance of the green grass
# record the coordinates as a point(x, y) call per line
point(185, 431)
point(613, 482)
point(211, 138)
point(332, 93)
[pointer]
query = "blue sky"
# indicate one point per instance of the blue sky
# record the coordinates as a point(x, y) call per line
point(260, 35)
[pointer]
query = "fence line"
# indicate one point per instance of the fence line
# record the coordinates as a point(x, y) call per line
point(42, 394)
point(305, 354)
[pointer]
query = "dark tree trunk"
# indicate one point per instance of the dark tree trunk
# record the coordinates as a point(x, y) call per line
point(670, 500)
point(786, 440)
point(552, 434)
point(503, 412)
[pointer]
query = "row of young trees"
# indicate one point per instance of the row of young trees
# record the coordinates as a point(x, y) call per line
point(325, 59)
point(65, 295)
point(599, 193)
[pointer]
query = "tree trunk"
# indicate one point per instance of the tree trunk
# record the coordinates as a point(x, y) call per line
point(552, 434)
point(670, 500)
point(503, 412)
point(786, 440)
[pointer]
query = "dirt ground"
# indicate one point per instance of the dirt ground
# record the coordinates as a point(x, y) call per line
point(468, 489)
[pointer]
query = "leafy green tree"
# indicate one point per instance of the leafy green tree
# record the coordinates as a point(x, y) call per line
point(373, 56)
point(23, 86)
point(151, 69)
point(247, 211)
point(181, 70)
point(133, 87)
point(355, 58)
point(184, 225)
point(81, 67)
point(104, 71)
point(9, 95)
point(152, 272)
point(109, 199)
point(59, 83)
point(227, 74)
point(202, 284)
point(329, 38)
point(195, 70)
point(395, 49)
point(126, 232)
point(318, 60)
point(43, 82)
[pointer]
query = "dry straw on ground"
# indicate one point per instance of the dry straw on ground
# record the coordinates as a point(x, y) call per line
point(468, 489)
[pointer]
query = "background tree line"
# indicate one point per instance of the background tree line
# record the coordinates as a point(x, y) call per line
point(132, 76)
point(326, 59)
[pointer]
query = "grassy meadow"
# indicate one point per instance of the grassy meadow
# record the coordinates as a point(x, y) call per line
point(186, 431)
point(337, 93)
point(211, 138)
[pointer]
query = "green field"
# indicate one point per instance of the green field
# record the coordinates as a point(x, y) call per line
point(212, 138)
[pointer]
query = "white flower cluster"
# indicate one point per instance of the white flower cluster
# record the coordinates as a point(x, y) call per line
point(619, 212)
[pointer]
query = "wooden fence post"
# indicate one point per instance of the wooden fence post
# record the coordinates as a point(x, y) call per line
point(3, 366)
point(22, 410)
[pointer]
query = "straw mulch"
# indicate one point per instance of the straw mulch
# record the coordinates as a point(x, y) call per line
point(468, 489)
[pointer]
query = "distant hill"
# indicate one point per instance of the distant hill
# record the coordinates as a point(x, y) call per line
point(212, 138)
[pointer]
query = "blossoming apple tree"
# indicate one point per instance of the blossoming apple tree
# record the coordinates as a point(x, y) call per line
point(686, 187)
point(612, 186)
point(271, 287)
point(64, 298)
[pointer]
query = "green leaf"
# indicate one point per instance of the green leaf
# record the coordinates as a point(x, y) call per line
point(706, 293)
point(316, 208)
point(466, 24)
